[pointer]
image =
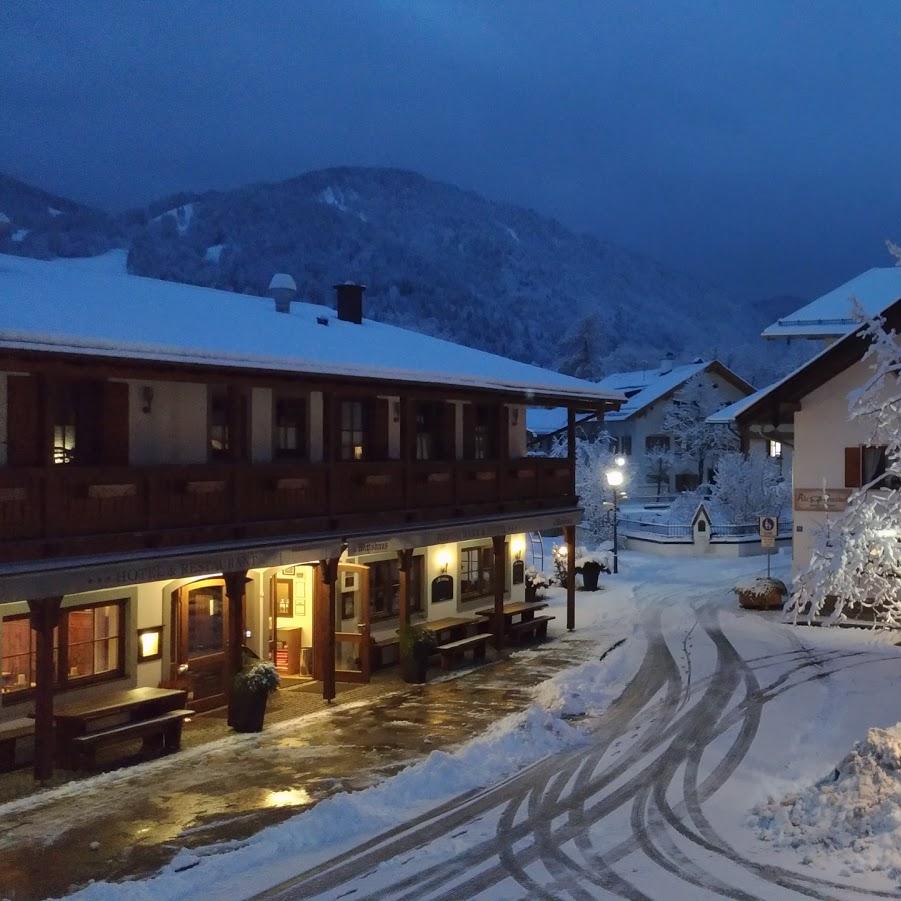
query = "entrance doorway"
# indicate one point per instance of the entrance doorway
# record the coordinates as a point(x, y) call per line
point(201, 635)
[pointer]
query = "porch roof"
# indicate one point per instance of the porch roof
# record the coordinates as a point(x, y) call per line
point(94, 307)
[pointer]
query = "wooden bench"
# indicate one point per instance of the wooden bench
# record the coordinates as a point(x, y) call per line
point(10, 733)
point(161, 735)
point(380, 646)
point(456, 649)
point(530, 628)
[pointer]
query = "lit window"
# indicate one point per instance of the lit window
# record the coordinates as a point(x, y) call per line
point(353, 430)
point(290, 427)
point(774, 448)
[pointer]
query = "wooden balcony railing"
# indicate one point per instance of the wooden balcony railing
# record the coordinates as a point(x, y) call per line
point(72, 510)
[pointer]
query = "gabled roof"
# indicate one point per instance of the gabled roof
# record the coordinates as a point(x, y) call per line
point(658, 385)
point(729, 414)
point(831, 314)
point(769, 405)
point(93, 307)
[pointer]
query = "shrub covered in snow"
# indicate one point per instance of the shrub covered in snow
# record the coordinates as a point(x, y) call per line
point(855, 810)
point(261, 678)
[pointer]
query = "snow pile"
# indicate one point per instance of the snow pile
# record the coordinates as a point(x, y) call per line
point(588, 690)
point(856, 809)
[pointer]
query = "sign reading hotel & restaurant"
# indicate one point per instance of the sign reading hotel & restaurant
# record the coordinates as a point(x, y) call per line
point(820, 500)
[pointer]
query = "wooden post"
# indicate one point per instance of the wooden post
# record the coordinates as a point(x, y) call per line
point(405, 567)
point(235, 589)
point(569, 533)
point(44, 616)
point(328, 574)
point(500, 573)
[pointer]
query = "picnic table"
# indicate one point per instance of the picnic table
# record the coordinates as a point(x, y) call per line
point(527, 626)
point(455, 635)
point(153, 714)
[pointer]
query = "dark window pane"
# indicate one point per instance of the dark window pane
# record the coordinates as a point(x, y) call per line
point(205, 621)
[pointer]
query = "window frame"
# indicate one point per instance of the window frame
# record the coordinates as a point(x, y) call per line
point(484, 587)
point(214, 394)
point(301, 424)
point(62, 680)
point(364, 431)
point(657, 443)
point(384, 571)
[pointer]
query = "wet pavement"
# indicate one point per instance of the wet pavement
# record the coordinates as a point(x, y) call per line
point(131, 821)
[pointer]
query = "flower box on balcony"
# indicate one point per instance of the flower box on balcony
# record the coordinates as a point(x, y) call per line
point(111, 492)
point(292, 484)
point(204, 487)
point(12, 495)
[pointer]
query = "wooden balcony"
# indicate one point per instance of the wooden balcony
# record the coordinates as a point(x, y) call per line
point(74, 510)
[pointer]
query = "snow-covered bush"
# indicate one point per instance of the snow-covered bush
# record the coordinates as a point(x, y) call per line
point(857, 558)
point(262, 677)
point(746, 487)
point(538, 582)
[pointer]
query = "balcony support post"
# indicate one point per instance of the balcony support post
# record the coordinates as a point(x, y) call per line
point(571, 448)
point(324, 624)
point(235, 590)
point(405, 571)
point(44, 614)
point(569, 534)
point(500, 577)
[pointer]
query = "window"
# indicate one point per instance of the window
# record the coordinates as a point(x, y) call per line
point(657, 443)
point(774, 449)
point(206, 620)
point(75, 410)
point(384, 587)
point(290, 428)
point(353, 430)
point(476, 572)
point(430, 437)
point(873, 464)
point(219, 432)
point(623, 445)
point(88, 645)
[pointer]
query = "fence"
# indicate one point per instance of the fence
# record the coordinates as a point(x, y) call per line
point(630, 526)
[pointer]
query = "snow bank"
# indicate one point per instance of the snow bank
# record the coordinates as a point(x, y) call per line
point(855, 811)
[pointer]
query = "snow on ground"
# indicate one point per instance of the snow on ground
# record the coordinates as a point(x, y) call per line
point(854, 812)
point(816, 691)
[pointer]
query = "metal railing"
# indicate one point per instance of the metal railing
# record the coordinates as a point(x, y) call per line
point(639, 527)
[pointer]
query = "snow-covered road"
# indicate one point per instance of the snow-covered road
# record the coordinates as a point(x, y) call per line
point(724, 706)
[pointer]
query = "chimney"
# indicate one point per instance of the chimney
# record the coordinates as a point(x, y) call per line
point(350, 302)
point(282, 289)
point(666, 364)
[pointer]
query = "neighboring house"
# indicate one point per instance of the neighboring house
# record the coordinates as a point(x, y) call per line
point(832, 316)
point(637, 428)
point(184, 471)
point(808, 410)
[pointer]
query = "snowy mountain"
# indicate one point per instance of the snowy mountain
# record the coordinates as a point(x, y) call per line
point(435, 258)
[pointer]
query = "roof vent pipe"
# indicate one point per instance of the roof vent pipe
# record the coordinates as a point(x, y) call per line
point(350, 302)
point(666, 364)
point(282, 289)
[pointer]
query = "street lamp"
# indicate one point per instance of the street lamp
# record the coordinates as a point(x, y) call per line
point(615, 478)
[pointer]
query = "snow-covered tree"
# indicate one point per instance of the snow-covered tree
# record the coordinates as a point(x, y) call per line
point(658, 467)
point(696, 440)
point(857, 559)
point(746, 487)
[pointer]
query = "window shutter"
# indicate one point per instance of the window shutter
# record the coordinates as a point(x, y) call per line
point(23, 406)
point(378, 432)
point(114, 425)
point(448, 433)
point(852, 467)
point(469, 431)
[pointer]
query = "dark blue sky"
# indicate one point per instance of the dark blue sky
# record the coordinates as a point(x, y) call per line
point(754, 144)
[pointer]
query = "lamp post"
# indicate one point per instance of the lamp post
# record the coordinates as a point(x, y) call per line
point(615, 478)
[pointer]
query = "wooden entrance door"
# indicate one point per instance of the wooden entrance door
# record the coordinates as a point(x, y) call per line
point(352, 623)
point(201, 636)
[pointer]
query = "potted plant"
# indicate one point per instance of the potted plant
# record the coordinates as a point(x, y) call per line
point(250, 691)
point(536, 584)
point(591, 566)
point(416, 647)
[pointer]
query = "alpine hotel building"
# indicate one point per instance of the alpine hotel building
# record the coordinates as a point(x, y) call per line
point(184, 472)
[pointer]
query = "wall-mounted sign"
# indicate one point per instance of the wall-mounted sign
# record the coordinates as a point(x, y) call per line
point(818, 500)
point(519, 572)
point(442, 588)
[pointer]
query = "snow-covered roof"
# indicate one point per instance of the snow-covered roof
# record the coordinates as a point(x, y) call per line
point(831, 314)
point(728, 414)
point(548, 421)
point(93, 307)
point(651, 385)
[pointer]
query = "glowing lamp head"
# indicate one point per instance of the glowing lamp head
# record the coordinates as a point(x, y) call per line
point(619, 461)
point(518, 546)
point(614, 478)
point(444, 560)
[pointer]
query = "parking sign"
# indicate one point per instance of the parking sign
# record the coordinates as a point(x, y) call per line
point(769, 528)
